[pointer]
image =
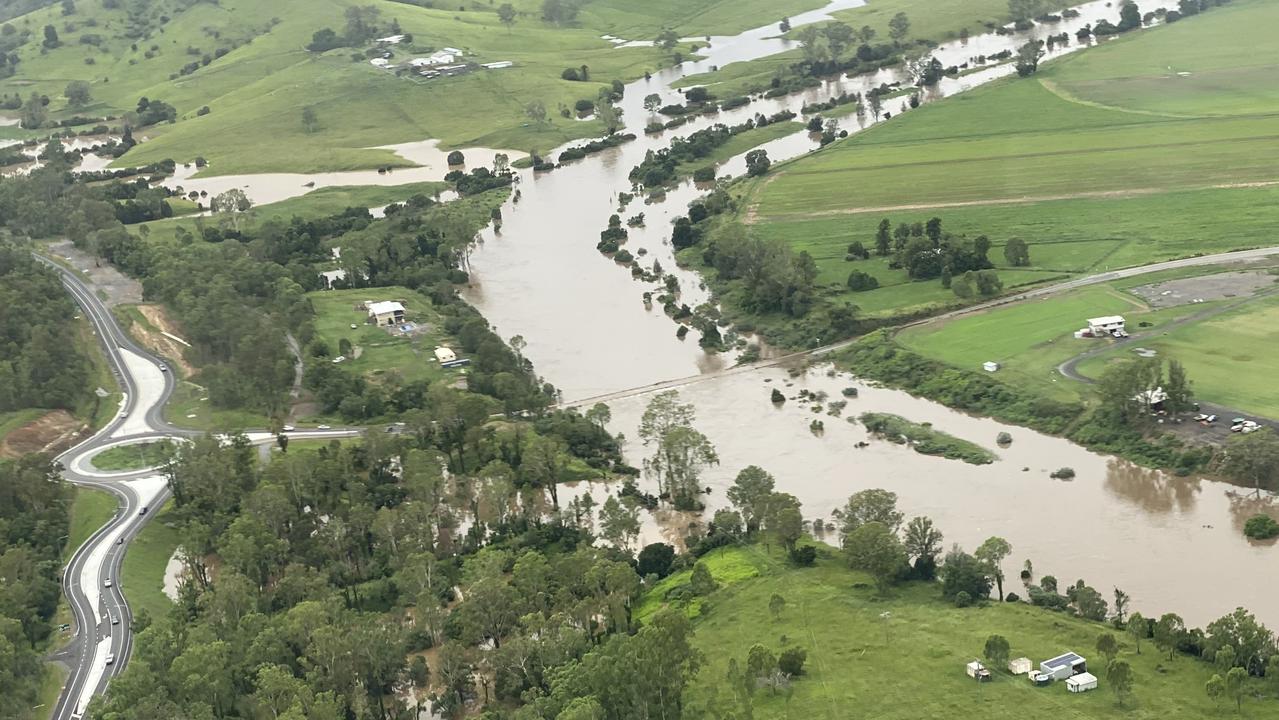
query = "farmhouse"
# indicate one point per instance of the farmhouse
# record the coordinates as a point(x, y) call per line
point(1107, 325)
point(1064, 666)
point(386, 313)
point(328, 277)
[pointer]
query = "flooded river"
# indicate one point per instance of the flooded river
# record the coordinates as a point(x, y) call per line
point(1173, 544)
point(589, 333)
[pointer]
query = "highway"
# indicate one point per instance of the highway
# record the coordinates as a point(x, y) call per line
point(102, 622)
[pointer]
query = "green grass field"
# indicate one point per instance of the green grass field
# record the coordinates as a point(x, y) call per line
point(381, 351)
point(912, 666)
point(134, 457)
point(1091, 183)
point(1230, 358)
point(255, 91)
point(144, 563)
point(50, 689)
point(741, 143)
point(1030, 339)
point(189, 407)
point(90, 510)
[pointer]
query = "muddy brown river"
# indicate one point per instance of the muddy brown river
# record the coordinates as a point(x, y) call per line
point(1174, 544)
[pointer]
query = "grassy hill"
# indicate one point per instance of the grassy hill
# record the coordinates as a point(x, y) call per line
point(246, 61)
point(912, 664)
point(1149, 147)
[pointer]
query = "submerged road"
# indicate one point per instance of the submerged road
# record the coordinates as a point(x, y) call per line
point(1043, 292)
point(102, 621)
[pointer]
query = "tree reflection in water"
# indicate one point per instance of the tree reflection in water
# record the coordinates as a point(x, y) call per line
point(1154, 491)
point(1244, 504)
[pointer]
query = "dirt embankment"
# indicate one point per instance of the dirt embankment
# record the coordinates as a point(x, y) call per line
point(113, 286)
point(154, 338)
point(52, 433)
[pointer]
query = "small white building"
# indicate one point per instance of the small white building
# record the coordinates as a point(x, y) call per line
point(379, 62)
point(990, 366)
point(453, 51)
point(1107, 325)
point(499, 65)
point(390, 40)
point(328, 277)
point(977, 671)
point(1064, 666)
point(1083, 682)
point(445, 355)
point(1020, 666)
point(386, 313)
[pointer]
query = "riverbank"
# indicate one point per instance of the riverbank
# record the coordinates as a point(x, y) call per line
point(911, 643)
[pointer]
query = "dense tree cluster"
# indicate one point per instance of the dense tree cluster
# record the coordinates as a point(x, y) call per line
point(42, 365)
point(34, 522)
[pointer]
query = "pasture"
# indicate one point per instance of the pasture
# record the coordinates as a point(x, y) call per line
point(1090, 177)
point(902, 655)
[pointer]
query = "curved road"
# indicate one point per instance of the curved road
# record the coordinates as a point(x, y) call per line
point(102, 621)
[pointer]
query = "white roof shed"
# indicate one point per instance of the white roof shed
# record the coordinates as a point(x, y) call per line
point(1082, 682)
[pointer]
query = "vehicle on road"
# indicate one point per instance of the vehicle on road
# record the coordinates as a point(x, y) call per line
point(115, 619)
point(119, 540)
point(323, 427)
point(164, 368)
point(143, 511)
point(107, 583)
point(288, 428)
point(110, 658)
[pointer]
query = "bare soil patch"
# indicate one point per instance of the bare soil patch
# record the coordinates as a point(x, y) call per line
point(52, 432)
point(99, 274)
point(159, 343)
point(1221, 286)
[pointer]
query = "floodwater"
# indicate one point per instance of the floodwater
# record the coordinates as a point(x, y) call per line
point(1173, 544)
point(264, 188)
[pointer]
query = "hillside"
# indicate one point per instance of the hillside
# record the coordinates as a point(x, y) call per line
point(246, 62)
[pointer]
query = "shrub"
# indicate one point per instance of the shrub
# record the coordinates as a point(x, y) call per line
point(655, 559)
point(456, 158)
point(777, 396)
point(1261, 527)
point(963, 599)
point(1012, 597)
point(859, 281)
point(804, 556)
point(705, 174)
point(791, 661)
point(1004, 438)
point(584, 106)
point(1062, 474)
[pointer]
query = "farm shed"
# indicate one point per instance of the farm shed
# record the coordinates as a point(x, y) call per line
point(1064, 666)
point(1082, 682)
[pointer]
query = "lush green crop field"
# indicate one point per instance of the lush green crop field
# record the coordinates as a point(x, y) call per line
point(912, 665)
point(1088, 184)
point(1230, 358)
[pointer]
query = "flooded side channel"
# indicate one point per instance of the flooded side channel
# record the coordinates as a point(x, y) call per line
point(1114, 525)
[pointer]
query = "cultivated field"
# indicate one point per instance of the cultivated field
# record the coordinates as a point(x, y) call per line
point(912, 665)
point(1092, 178)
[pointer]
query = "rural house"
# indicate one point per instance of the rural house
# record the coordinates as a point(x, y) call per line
point(386, 313)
